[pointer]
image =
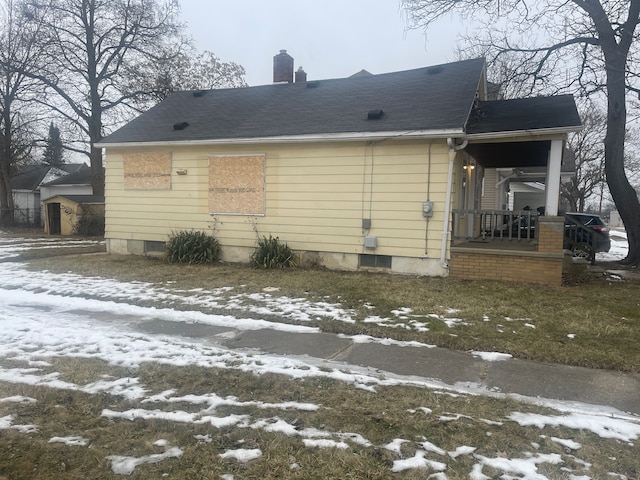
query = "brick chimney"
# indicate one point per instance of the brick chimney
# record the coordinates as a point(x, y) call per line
point(283, 68)
point(301, 75)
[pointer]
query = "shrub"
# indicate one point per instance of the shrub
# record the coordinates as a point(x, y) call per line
point(271, 253)
point(89, 226)
point(192, 247)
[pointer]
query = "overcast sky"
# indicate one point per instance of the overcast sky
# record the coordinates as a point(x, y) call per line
point(328, 38)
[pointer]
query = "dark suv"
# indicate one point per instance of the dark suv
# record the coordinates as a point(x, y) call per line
point(585, 235)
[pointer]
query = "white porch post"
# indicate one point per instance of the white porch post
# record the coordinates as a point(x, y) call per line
point(552, 189)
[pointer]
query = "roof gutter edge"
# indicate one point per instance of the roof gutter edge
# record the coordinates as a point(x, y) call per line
point(540, 132)
point(328, 137)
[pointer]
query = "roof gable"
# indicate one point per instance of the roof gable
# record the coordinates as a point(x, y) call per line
point(431, 98)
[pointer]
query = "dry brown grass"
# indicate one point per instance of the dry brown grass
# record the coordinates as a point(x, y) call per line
point(390, 413)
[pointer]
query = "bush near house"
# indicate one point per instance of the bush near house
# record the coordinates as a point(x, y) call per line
point(89, 226)
point(192, 247)
point(271, 253)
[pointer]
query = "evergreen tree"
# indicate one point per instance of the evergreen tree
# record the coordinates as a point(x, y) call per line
point(53, 154)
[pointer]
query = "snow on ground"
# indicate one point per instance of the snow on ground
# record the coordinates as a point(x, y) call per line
point(45, 316)
point(619, 247)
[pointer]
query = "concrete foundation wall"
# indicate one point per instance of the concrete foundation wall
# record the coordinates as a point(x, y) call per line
point(332, 261)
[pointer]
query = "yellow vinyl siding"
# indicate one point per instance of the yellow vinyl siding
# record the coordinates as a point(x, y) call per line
point(316, 196)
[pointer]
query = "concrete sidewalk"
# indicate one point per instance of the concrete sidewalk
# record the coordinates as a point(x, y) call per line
point(530, 379)
point(457, 370)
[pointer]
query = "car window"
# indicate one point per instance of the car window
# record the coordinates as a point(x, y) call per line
point(587, 219)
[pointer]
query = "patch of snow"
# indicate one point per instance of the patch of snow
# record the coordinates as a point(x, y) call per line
point(395, 445)
point(121, 465)
point(601, 425)
point(571, 444)
point(18, 399)
point(463, 450)
point(430, 447)
point(324, 443)
point(242, 454)
point(520, 467)
point(72, 441)
point(384, 341)
point(6, 423)
point(417, 461)
point(492, 356)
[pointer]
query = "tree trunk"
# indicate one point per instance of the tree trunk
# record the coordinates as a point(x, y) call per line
point(6, 199)
point(624, 195)
point(97, 172)
point(6, 194)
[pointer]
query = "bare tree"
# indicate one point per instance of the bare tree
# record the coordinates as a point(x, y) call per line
point(588, 150)
point(186, 70)
point(18, 52)
point(90, 44)
point(585, 45)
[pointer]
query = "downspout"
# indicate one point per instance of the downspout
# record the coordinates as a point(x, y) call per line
point(453, 150)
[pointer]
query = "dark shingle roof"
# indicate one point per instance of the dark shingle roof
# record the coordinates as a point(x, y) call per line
point(524, 114)
point(79, 177)
point(30, 177)
point(431, 98)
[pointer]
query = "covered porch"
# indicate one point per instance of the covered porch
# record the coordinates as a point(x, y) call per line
point(506, 226)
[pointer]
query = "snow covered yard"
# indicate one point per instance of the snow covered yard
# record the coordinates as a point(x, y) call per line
point(85, 392)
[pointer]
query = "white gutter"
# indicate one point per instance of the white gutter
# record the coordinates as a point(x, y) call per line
point(453, 151)
point(541, 132)
point(323, 137)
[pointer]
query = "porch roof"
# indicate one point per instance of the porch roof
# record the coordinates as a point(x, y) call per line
point(524, 115)
point(516, 119)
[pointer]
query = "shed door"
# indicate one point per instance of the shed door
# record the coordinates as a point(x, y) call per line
point(53, 214)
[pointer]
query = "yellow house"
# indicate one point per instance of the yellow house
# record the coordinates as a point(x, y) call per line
point(367, 172)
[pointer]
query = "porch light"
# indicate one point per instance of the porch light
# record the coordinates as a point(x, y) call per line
point(467, 166)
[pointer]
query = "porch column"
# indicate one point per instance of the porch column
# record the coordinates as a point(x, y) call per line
point(552, 188)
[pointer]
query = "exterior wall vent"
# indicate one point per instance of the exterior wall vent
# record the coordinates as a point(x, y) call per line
point(370, 242)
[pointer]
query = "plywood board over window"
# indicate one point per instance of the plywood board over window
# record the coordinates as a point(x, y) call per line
point(147, 171)
point(236, 184)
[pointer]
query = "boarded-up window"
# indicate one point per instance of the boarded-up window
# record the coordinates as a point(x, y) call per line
point(147, 171)
point(236, 184)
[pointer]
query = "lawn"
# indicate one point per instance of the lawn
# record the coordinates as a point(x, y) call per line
point(594, 324)
point(82, 399)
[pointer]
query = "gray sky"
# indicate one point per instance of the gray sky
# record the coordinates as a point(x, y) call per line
point(328, 38)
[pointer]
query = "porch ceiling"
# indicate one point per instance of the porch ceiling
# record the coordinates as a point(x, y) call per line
point(510, 154)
